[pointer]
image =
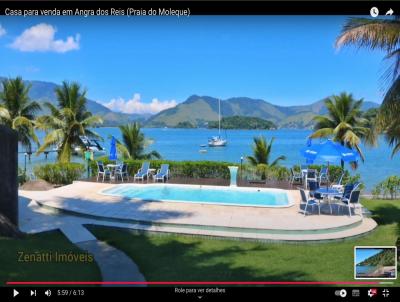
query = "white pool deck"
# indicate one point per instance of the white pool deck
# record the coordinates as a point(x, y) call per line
point(280, 224)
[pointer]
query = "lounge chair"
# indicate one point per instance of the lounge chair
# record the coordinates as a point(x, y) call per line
point(122, 171)
point(309, 202)
point(162, 173)
point(143, 172)
point(352, 200)
point(101, 171)
point(323, 175)
point(295, 176)
point(338, 184)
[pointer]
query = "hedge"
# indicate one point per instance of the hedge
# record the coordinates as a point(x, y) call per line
point(60, 173)
point(186, 169)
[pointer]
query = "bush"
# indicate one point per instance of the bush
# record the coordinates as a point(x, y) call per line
point(264, 172)
point(389, 188)
point(22, 177)
point(185, 169)
point(60, 173)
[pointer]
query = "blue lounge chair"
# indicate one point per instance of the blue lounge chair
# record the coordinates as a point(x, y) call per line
point(309, 202)
point(143, 172)
point(162, 173)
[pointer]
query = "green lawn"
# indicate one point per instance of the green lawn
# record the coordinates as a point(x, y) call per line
point(185, 258)
point(13, 270)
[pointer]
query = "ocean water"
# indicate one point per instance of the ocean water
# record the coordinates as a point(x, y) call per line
point(184, 144)
point(365, 269)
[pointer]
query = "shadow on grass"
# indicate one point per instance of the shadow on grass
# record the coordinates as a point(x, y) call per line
point(386, 214)
point(170, 258)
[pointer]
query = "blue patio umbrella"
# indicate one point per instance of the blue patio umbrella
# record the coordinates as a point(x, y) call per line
point(330, 152)
point(113, 149)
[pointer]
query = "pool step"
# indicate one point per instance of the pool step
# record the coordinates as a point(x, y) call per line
point(366, 226)
point(358, 228)
point(194, 228)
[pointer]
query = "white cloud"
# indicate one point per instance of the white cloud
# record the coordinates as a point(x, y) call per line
point(41, 38)
point(2, 30)
point(135, 105)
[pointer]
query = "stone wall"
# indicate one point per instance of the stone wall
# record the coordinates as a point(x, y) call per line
point(9, 174)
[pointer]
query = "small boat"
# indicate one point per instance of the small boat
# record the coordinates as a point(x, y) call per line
point(203, 146)
point(218, 141)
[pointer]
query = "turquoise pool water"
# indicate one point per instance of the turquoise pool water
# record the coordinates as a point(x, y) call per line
point(202, 194)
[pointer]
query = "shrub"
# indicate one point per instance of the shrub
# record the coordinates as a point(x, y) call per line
point(185, 169)
point(264, 172)
point(22, 177)
point(389, 188)
point(60, 173)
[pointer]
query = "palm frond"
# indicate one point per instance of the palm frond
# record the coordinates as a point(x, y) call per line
point(252, 160)
point(370, 33)
point(277, 160)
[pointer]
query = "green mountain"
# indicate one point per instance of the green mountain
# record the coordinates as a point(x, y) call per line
point(384, 258)
point(199, 110)
point(45, 92)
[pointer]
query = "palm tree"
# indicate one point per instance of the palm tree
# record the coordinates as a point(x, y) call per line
point(382, 34)
point(17, 111)
point(67, 121)
point(134, 143)
point(262, 153)
point(344, 123)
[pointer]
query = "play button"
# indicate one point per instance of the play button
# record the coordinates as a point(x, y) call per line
point(15, 293)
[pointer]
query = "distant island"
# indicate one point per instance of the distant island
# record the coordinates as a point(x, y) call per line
point(243, 122)
point(186, 125)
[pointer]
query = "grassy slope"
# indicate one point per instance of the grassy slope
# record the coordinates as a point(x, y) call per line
point(172, 257)
point(12, 270)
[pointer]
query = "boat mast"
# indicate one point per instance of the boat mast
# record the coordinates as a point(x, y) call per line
point(219, 117)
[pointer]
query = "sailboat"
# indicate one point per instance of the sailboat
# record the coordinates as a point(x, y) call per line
point(218, 141)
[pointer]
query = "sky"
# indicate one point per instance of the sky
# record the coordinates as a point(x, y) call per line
point(365, 253)
point(147, 64)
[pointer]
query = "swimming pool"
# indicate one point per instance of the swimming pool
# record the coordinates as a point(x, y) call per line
point(236, 196)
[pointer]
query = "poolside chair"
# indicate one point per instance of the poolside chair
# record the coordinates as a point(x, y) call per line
point(295, 176)
point(338, 184)
point(309, 202)
point(323, 175)
point(162, 173)
point(122, 171)
point(143, 172)
point(101, 171)
point(354, 199)
point(311, 175)
point(346, 192)
point(312, 187)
